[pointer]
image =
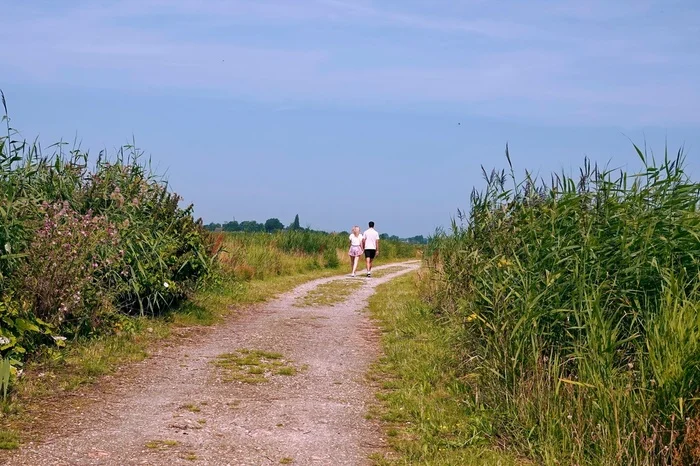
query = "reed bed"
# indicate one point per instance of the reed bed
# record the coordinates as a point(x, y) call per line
point(578, 302)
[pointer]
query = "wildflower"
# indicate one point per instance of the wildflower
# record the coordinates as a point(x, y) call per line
point(166, 284)
point(58, 338)
point(503, 262)
point(471, 317)
point(4, 340)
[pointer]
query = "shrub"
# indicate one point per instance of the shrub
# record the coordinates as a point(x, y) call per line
point(70, 254)
point(166, 253)
point(82, 240)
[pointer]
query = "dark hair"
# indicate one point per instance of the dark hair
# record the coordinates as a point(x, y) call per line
point(371, 224)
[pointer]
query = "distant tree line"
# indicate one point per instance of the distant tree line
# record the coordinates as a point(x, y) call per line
point(272, 225)
point(418, 239)
point(249, 226)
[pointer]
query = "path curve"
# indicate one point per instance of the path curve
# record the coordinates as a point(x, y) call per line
point(315, 417)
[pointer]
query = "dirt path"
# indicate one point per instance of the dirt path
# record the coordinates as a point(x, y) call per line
point(178, 409)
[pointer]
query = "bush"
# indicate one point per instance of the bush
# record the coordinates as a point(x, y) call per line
point(79, 245)
point(166, 253)
point(62, 277)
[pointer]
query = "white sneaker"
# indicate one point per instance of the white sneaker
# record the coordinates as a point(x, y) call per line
point(352, 275)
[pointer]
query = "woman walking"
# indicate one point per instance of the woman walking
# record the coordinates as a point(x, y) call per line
point(355, 248)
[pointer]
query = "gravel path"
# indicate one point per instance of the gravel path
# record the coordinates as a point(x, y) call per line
point(176, 409)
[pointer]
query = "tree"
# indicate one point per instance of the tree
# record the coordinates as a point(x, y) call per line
point(295, 224)
point(273, 224)
point(212, 226)
point(251, 226)
point(231, 226)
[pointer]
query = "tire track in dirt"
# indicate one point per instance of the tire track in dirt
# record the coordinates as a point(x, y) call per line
point(177, 410)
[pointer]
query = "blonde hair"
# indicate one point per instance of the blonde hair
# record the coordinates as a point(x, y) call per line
point(356, 229)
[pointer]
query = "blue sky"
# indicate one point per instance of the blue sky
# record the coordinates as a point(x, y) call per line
point(345, 111)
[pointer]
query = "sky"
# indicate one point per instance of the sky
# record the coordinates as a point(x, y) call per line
point(347, 111)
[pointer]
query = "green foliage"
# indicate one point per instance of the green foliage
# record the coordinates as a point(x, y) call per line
point(309, 242)
point(273, 224)
point(82, 241)
point(579, 304)
point(70, 254)
point(9, 440)
point(5, 370)
point(330, 258)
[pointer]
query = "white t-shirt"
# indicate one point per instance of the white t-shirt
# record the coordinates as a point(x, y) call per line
point(371, 238)
point(355, 240)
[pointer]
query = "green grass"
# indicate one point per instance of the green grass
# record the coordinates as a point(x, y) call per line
point(189, 456)
point(252, 366)
point(9, 439)
point(328, 294)
point(160, 444)
point(193, 408)
point(421, 396)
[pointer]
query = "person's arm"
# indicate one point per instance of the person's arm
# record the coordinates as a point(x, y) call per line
point(362, 243)
point(377, 253)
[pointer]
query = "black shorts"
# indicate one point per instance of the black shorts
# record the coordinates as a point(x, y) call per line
point(370, 253)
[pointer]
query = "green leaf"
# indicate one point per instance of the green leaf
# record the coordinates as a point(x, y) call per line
point(25, 325)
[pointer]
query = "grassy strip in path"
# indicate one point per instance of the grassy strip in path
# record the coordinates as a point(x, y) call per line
point(422, 401)
point(331, 293)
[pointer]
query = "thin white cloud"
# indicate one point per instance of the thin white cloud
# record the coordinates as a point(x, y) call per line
point(539, 66)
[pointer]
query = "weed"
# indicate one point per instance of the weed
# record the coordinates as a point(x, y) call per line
point(190, 407)
point(160, 444)
point(286, 460)
point(287, 371)
point(252, 366)
point(9, 440)
point(189, 456)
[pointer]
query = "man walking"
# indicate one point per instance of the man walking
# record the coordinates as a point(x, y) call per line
point(370, 243)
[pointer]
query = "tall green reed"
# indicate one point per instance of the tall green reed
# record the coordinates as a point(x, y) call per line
point(578, 299)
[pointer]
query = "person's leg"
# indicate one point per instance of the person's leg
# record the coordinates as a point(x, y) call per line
point(352, 262)
point(355, 260)
point(369, 255)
